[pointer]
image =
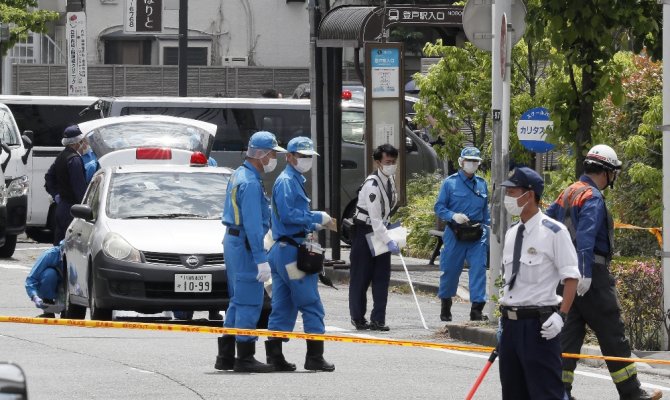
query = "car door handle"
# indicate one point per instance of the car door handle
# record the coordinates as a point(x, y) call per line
point(348, 164)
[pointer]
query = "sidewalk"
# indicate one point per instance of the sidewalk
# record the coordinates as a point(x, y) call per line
point(425, 278)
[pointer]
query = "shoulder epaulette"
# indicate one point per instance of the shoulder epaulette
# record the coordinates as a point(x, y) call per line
point(551, 225)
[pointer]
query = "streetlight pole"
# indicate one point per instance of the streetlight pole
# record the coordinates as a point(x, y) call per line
point(666, 165)
point(183, 48)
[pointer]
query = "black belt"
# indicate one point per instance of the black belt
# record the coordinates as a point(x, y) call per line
point(289, 239)
point(238, 233)
point(515, 313)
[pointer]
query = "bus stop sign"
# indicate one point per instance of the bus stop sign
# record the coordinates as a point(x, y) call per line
point(532, 130)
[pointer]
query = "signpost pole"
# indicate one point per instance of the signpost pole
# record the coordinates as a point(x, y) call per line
point(183, 48)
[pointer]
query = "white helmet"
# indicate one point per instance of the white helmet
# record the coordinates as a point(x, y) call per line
point(604, 156)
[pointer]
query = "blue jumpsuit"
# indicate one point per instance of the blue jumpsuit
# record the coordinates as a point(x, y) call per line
point(469, 196)
point(292, 289)
point(45, 275)
point(246, 214)
point(90, 164)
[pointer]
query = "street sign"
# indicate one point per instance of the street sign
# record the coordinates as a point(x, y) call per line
point(77, 75)
point(477, 22)
point(385, 63)
point(446, 16)
point(143, 16)
point(532, 130)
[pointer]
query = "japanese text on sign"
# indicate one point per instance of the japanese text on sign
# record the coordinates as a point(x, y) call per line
point(77, 80)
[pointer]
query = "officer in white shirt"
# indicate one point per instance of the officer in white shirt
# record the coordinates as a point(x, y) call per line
point(537, 256)
point(376, 199)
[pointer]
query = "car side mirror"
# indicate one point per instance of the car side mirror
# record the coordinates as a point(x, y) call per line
point(28, 144)
point(82, 211)
point(410, 146)
point(12, 382)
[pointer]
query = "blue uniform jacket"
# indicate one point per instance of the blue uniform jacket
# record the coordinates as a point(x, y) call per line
point(460, 194)
point(589, 217)
point(49, 259)
point(291, 214)
point(247, 208)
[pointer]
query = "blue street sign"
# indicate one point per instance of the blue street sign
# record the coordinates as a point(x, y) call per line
point(531, 130)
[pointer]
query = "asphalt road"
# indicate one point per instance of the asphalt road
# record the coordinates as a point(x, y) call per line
point(87, 363)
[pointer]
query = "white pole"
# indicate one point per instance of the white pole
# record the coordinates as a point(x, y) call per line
point(666, 163)
point(423, 321)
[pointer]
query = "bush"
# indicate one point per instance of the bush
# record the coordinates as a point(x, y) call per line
point(418, 215)
point(640, 289)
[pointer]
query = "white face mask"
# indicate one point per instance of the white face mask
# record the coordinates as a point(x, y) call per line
point(270, 166)
point(303, 165)
point(389, 170)
point(470, 167)
point(512, 206)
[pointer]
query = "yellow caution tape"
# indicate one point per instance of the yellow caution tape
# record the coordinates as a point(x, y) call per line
point(657, 232)
point(288, 335)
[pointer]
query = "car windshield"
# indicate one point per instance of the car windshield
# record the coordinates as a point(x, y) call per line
point(167, 195)
point(125, 135)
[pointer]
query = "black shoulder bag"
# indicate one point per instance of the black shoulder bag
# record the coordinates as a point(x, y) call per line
point(309, 261)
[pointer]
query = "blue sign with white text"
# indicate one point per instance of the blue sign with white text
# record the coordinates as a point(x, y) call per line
point(532, 130)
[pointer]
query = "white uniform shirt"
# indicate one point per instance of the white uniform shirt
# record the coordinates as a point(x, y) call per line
point(369, 199)
point(547, 258)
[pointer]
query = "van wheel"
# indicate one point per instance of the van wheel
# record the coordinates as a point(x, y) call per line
point(345, 234)
point(7, 250)
point(97, 313)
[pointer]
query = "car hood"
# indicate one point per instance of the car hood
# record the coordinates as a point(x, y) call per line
point(182, 236)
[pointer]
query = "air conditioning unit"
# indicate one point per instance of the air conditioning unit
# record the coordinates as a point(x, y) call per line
point(229, 61)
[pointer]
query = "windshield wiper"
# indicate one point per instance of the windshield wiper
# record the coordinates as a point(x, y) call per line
point(168, 216)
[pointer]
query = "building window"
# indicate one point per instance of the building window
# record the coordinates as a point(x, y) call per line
point(131, 52)
point(195, 55)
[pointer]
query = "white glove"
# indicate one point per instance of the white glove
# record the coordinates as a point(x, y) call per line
point(460, 218)
point(583, 286)
point(264, 273)
point(552, 326)
point(325, 218)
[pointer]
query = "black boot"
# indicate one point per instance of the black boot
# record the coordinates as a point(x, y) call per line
point(275, 356)
point(226, 359)
point(314, 360)
point(445, 313)
point(476, 312)
point(245, 361)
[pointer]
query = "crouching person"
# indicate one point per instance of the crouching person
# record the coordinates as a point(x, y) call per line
point(43, 281)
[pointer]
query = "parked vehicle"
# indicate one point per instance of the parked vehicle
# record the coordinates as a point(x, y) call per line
point(13, 162)
point(238, 119)
point(46, 117)
point(148, 234)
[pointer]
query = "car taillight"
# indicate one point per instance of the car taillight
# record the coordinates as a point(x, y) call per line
point(198, 159)
point(346, 95)
point(153, 154)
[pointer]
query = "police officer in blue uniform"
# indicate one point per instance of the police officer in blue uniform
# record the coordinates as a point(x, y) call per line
point(538, 255)
point(43, 280)
point(463, 201)
point(246, 215)
point(582, 208)
point(376, 199)
point(66, 180)
point(292, 289)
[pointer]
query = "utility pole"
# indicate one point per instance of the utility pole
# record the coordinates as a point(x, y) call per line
point(666, 166)
point(183, 48)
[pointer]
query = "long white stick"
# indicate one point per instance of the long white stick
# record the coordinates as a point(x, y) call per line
point(423, 321)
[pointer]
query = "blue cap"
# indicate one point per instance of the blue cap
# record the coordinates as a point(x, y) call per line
point(526, 178)
point(471, 153)
point(265, 140)
point(302, 145)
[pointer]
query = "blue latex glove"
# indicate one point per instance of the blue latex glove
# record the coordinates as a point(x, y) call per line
point(393, 247)
point(39, 303)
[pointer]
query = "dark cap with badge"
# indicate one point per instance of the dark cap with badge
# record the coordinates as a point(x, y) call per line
point(524, 177)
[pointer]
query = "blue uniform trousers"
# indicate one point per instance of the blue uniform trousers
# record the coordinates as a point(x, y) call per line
point(293, 291)
point(530, 366)
point(246, 293)
point(48, 284)
point(366, 270)
point(452, 257)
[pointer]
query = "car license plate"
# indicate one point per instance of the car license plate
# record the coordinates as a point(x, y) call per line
point(193, 283)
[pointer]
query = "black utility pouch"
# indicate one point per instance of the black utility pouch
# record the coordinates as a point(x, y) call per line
point(467, 232)
point(309, 261)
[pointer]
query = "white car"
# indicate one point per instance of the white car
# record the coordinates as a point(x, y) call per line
point(148, 235)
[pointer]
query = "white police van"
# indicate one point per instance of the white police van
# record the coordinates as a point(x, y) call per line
point(45, 118)
point(13, 163)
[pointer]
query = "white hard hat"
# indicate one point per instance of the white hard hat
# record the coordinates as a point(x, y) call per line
point(603, 155)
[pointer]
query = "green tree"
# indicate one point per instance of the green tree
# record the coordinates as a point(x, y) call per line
point(23, 17)
point(588, 33)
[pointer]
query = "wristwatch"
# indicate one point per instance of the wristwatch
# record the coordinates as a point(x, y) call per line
point(563, 315)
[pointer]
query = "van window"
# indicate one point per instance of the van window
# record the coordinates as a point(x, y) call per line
point(8, 134)
point(353, 126)
point(236, 125)
point(48, 121)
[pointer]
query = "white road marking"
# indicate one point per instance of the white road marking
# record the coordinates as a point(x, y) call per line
point(15, 266)
point(32, 248)
point(142, 370)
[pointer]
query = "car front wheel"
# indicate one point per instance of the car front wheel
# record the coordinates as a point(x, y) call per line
point(97, 313)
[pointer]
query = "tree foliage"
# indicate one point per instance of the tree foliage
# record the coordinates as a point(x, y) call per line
point(23, 17)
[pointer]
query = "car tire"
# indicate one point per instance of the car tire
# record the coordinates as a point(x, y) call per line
point(71, 311)
point(97, 313)
point(7, 250)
